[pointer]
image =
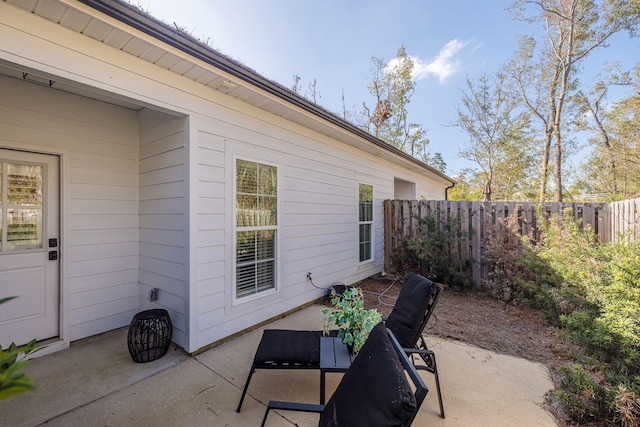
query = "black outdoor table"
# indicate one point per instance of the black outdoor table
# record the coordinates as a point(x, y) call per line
point(334, 357)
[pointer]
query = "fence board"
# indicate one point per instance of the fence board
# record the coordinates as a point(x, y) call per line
point(610, 221)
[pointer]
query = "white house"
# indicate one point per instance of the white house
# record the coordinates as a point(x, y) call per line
point(134, 157)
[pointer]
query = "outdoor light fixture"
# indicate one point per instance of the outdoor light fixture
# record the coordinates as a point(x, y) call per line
point(226, 86)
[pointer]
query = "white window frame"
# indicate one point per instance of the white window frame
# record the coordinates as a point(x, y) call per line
point(236, 229)
point(371, 223)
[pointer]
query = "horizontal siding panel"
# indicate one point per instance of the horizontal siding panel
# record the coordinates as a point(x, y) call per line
point(163, 160)
point(163, 252)
point(162, 222)
point(211, 253)
point(102, 250)
point(97, 281)
point(93, 267)
point(210, 270)
point(327, 190)
point(103, 162)
point(105, 192)
point(307, 197)
point(105, 309)
point(321, 209)
point(168, 140)
point(168, 174)
point(210, 157)
point(210, 237)
point(100, 325)
point(165, 190)
point(210, 303)
point(211, 205)
point(102, 207)
point(28, 97)
point(80, 174)
point(172, 269)
point(319, 230)
point(299, 243)
point(311, 220)
point(166, 206)
point(163, 237)
point(167, 284)
point(101, 237)
point(210, 173)
point(99, 139)
point(210, 188)
point(326, 174)
point(154, 119)
point(116, 223)
point(211, 221)
point(88, 298)
point(211, 286)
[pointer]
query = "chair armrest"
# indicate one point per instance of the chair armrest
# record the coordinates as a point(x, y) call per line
point(409, 351)
point(294, 406)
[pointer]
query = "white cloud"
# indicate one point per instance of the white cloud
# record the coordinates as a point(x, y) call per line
point(442, 66)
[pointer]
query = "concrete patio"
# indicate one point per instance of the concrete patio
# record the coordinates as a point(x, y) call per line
point(95, 383)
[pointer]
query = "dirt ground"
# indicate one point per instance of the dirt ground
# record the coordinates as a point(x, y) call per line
point(476, 318)
point(473, 317)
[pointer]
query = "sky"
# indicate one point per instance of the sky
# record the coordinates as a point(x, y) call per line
point(333, 41)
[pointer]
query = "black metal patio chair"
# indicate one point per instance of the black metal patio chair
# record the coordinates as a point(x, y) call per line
point(293, 349)
point(373, 391)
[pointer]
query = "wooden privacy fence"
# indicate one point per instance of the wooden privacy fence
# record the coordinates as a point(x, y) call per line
point(610, 222)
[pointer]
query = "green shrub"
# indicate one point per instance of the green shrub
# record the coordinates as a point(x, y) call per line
point(516, 272)
point(435, 251)
point(583, 396)
point(599, 306)
point(12, 380)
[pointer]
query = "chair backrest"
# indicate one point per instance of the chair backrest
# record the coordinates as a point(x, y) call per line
point(375, 389)
point(413, 308)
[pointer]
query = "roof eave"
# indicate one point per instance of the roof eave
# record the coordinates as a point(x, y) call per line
point(135, 18)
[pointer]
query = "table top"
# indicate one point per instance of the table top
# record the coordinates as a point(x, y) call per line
point(334, 355)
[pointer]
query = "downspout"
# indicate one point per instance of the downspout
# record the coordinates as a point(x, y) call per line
point(446, 191)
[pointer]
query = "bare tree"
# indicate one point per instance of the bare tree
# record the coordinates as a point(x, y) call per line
point(546, 75)
point(392, 87)
point(498, 139)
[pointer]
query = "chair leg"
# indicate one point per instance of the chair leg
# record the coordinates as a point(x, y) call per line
point(435, 373)
point(264, 420)
point(246, 386)
point(429, 357)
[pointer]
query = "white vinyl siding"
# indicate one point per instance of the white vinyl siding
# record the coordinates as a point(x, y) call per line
point(149, 198)
point(162, 218)
point(99, 143)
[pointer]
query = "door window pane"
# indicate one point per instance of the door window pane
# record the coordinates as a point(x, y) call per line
point(21, 206)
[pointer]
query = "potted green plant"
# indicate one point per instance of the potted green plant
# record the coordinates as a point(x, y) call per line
point(12, 381)
point(350, 317)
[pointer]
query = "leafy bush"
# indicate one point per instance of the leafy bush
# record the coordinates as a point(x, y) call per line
point(599, 301)
point(581, 393)
point(12, 381)
point(516, 272)
point(435, 251)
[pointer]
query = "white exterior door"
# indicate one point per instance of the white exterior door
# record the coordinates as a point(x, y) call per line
point(29, 246)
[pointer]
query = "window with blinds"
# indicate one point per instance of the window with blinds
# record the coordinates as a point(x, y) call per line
point(256, 227)
point(365, 221)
